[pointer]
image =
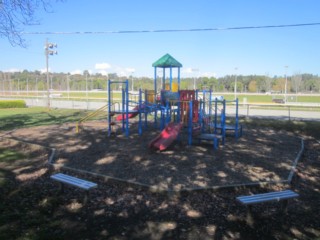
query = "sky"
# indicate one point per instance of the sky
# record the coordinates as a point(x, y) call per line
point(260, 51)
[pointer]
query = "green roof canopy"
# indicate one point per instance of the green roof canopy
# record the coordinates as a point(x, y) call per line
point(167, 61)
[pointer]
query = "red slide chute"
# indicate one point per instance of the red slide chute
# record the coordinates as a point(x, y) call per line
point(166, 137)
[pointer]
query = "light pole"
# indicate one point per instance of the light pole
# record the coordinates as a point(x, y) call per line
point(87, 86)
point(68, 87)
point(87, 90)
point(48, 52)
point(3, 84)
point(27, 86)
point(235, 84)
point(194, 78)
point(286, 85)
point(37, 87)
point(132, 82)
point(132, 72)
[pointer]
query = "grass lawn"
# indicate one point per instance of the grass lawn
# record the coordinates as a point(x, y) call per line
point(9, 156)
point(38, 116)
point(309, 128)
point(261, 98)
point(8, 159)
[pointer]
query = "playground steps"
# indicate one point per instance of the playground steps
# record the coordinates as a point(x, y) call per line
point(210, 137)
point(238, 130)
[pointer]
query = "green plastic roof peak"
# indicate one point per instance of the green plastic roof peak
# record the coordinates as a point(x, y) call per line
point(166, 61)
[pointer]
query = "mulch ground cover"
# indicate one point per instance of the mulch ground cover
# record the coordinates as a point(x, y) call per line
point(33, 208)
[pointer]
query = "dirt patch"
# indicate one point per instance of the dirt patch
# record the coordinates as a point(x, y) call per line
point(29, 164)
point(260, 155)
point(33, 208)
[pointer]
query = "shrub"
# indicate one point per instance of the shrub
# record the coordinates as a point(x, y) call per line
point(12, 104)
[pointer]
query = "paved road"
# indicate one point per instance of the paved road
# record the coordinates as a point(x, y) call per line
point(284, 112)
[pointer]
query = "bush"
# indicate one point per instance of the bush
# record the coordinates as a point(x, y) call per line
point(12, 104)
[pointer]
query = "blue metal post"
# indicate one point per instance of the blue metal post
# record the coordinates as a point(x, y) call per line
point(178, 78)
point(190, 123)
point(146, 109)
point(179, 111)
point(201, 115)
point(237, 120)
point(140, 112)
point(170, 79)
point(123, 109)
point(127, 107)
point(167, 113)
point(155, 94)
point(164, 79)
point(210, 103)
point(223, 121)
point(109, 107)
point(216, 115)
point(162, 119)
point(155, 83)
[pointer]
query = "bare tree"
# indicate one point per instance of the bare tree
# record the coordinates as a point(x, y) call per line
point(15, 15)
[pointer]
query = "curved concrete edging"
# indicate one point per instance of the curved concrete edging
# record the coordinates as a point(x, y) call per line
point(157, 189)
point(295, 163)
point(51, 157)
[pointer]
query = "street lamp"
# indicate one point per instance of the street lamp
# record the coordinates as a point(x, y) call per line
point(194, 78)
point(48, 52)
point(68, 87)
point(37, 87)
point(285, 86)
point(87, 86)
point(132, 81)
point(27, 86)
point(235, 85)
point(3, 84)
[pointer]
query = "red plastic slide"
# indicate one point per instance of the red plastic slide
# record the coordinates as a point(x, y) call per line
point(166, 137)
point(130, 115)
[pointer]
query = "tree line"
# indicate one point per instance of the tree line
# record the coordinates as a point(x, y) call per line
point(37, 81)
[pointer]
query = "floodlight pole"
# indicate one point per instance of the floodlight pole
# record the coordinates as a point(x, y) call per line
point(87, 90)
point(47, 68)
point(47, 53)
point(235, 85)
point(27, 86)
point(131, 82)
point(132, 88)
point(286, 85)
point(194, 78)
point(3, 92)
point(68, 87)
point(87, 86)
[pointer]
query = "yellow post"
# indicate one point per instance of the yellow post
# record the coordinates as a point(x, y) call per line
point(175, 87)
point(150, 96)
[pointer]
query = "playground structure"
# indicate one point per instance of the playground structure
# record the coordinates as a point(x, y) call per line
point(195, 113)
